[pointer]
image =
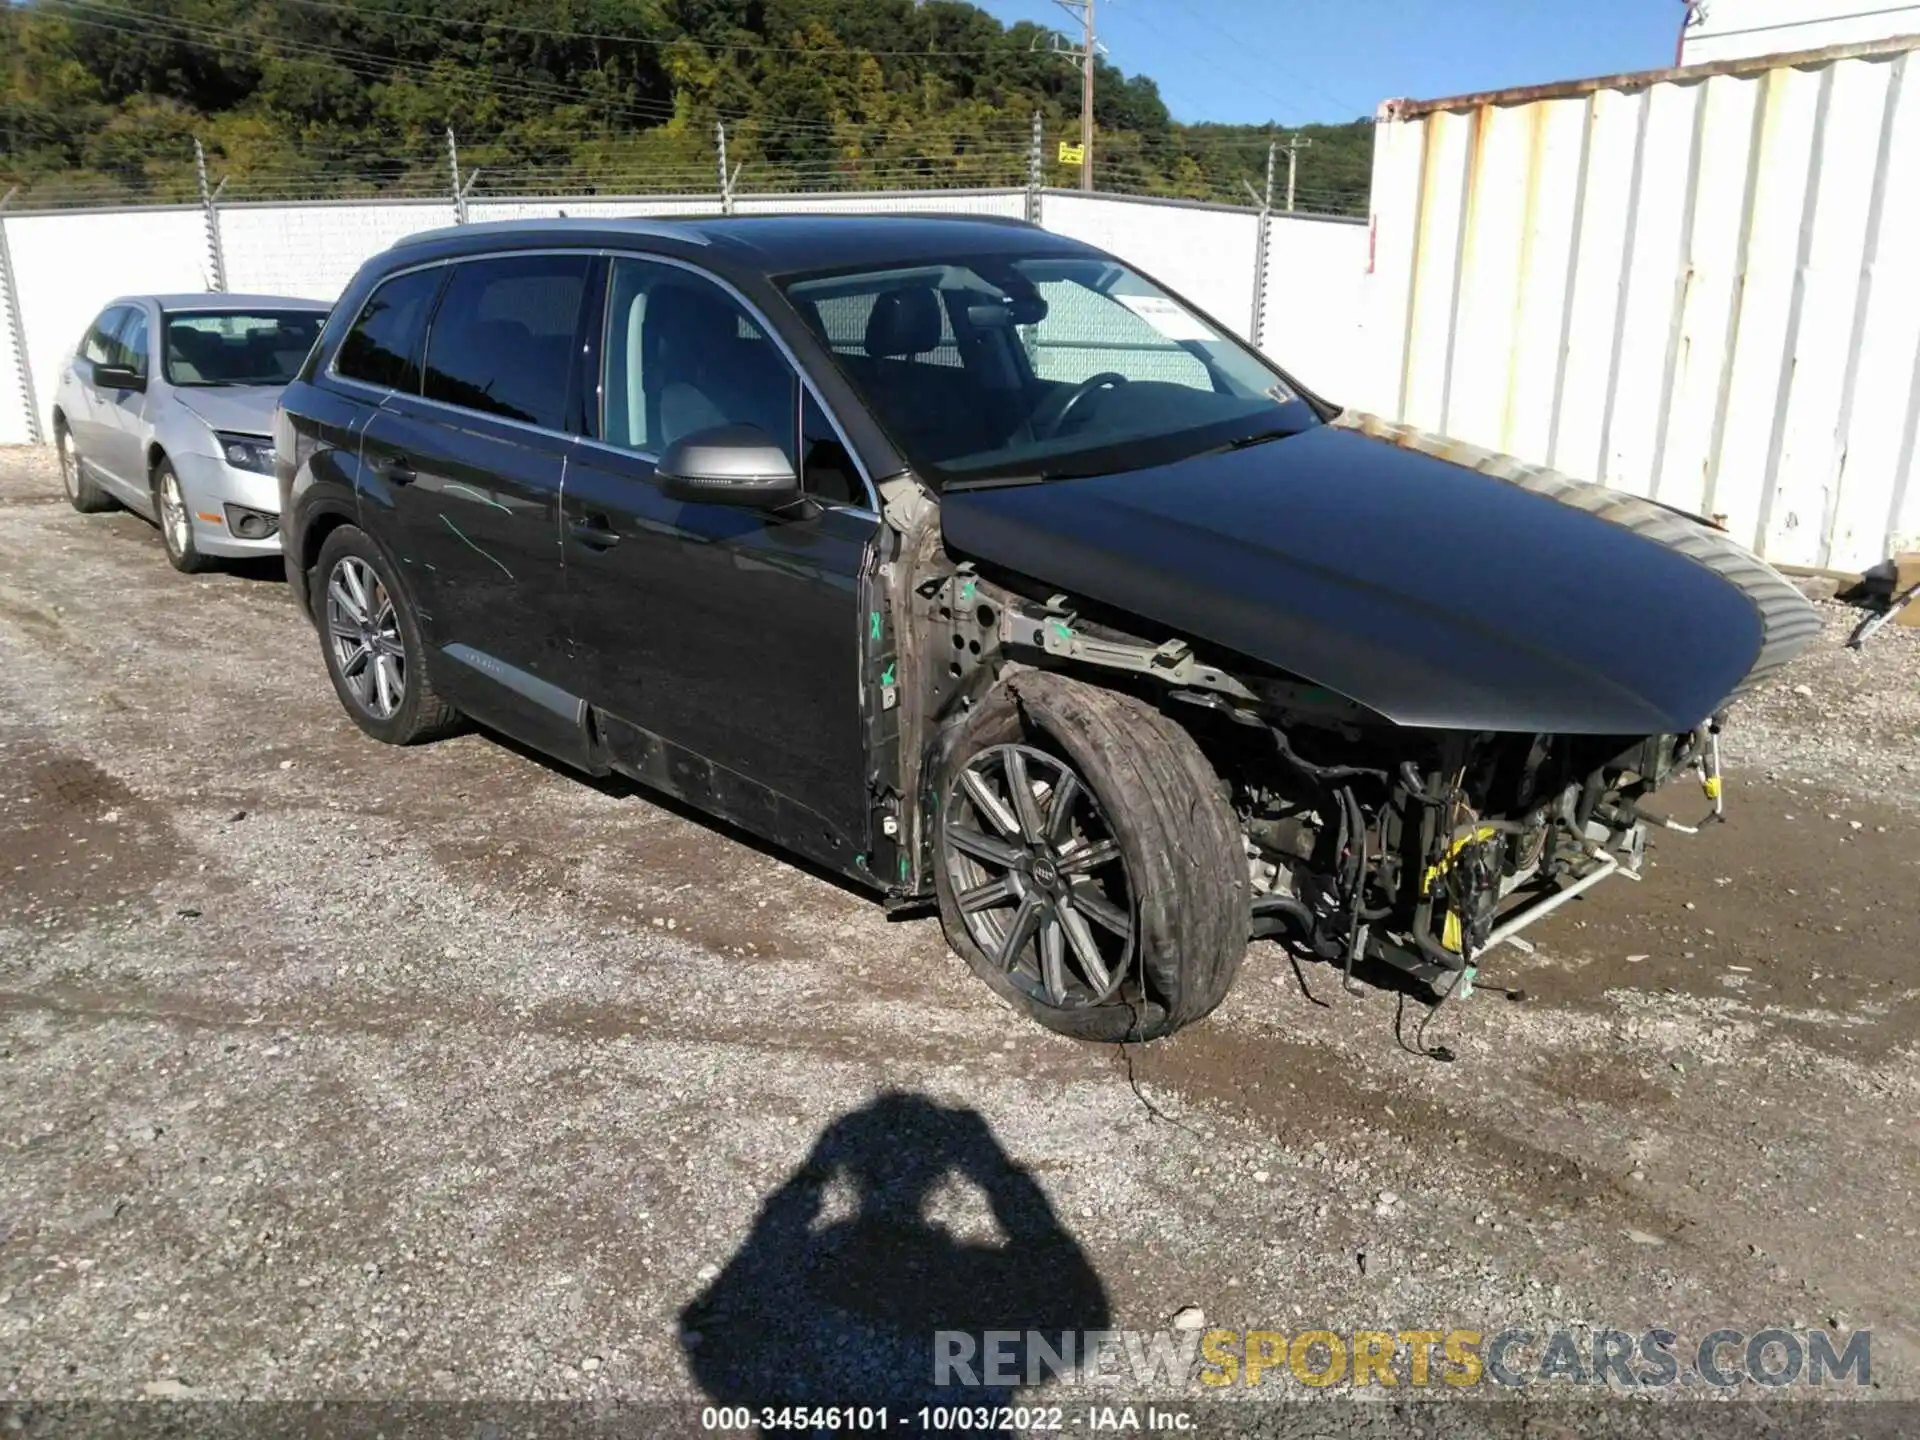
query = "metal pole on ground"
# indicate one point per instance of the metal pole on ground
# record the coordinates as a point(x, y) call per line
point(210, 209)
point(16, 331)
point(726, 177)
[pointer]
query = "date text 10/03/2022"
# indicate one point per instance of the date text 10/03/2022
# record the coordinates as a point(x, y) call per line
point(962, 1419)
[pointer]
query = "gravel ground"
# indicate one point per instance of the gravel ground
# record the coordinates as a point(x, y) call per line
point(339, 1071)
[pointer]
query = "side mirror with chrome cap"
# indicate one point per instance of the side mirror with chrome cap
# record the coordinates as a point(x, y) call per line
point(729, 465)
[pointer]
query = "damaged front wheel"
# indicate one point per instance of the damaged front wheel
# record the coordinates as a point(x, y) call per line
point(1090, 870)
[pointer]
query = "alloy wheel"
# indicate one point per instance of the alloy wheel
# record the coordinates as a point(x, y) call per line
point(1038, 876)
point(69, 465)
point(174, 523)
point(364, 629)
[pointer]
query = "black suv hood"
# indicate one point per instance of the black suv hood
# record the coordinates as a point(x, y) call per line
point(1436, 584)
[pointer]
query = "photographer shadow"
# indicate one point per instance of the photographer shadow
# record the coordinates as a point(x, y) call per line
point(842, 1292)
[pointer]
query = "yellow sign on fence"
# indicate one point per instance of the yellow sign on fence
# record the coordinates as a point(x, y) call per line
point(1071, 154)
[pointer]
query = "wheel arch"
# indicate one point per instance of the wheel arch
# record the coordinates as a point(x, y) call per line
point(321, 521)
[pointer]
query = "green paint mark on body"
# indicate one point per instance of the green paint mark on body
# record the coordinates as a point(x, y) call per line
point(876, 624)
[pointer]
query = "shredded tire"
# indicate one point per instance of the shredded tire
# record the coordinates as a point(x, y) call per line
point(1169, 811)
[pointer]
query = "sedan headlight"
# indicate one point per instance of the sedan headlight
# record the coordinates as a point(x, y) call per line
point(247, 452)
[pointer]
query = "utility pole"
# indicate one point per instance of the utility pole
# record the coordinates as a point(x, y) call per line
point(1294, 147)
point(1084, 57)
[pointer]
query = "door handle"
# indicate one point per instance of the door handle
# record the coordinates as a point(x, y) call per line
point(399, 471)
point(595, 533)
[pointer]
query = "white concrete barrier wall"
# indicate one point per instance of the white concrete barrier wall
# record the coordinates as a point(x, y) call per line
point(68, 264)
point(1699, 288)
point(313, 250)
point(66, 267)
point(1204, 253)
point(1316, 304)
point(971, 202)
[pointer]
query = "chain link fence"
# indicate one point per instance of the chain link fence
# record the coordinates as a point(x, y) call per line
point(1291, 283)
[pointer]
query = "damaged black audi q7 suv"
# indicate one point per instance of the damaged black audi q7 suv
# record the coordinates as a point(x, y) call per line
point(963, 559)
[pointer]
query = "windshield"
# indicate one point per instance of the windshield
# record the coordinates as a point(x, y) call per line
point(1001, 369)
point(238, 347)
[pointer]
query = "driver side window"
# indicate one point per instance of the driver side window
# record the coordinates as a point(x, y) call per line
point(130, 348)
point(97, 348)
point(682, 355)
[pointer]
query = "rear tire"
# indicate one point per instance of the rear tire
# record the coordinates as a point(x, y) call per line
point(85, 496)
point(175, 515)
point(1180, 875)
point(371, 640)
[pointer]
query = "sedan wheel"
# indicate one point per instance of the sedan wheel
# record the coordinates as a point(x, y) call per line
point(1039, 878)
point(176, 522)
point(363, 628)
point(85, 496)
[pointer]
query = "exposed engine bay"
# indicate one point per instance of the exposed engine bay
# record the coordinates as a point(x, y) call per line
point(1365, 840)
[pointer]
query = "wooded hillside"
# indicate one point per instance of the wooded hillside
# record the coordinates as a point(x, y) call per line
point(102, 100)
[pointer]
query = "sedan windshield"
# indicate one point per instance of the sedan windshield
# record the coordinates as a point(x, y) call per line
point(1004, 369)
point(238, 347)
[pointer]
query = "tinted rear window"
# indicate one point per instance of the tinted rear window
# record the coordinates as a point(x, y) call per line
point(384, 345)
point(502, 339)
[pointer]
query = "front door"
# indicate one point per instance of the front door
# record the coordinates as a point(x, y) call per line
point(123, 413)
point(722, 643)
point(470, 471)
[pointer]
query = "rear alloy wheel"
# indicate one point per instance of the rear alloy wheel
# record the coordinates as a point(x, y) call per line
point(176, 522)
point(85, 496)
point(1089, 867)
point(373, 646)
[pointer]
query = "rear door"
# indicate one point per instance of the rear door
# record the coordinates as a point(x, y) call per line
point(472, 468)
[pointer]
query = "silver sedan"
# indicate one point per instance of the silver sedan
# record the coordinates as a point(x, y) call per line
point(166, 407)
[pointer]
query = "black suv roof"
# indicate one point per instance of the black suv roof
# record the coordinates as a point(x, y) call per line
point(778, 243)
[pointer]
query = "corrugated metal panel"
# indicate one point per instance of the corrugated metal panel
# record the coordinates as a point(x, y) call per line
point(1695, 286)
point(1730, 29)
